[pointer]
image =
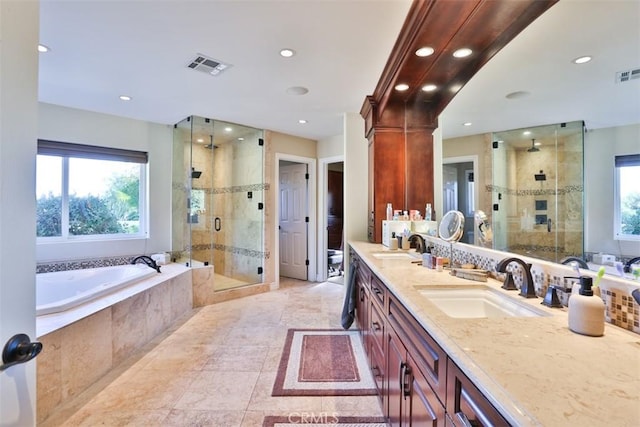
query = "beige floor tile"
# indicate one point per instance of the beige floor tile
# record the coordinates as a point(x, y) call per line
point(353, 405)
point(261, 400)
point(230, 390)
point(92, 418)
point(237, 358)
point(184, 418)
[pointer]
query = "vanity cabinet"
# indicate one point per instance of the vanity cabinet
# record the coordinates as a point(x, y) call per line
point(418, 384)
point(411, 400)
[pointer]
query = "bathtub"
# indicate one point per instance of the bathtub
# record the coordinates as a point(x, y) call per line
point(62, 290)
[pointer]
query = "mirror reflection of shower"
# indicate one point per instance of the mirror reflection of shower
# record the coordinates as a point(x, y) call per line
point(540, 217)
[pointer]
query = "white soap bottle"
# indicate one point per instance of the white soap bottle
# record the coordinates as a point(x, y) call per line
point(586, 312)
point(389, 212)
point(427, 212)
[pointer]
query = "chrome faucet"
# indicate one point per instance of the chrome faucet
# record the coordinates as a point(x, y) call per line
point(527, 289)
point(421, 246)
point(627, 266)
point(147, 260)
point(570, 259)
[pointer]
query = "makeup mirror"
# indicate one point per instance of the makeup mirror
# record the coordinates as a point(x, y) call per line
point(451, 226)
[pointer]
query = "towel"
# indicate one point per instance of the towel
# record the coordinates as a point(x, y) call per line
point(349, 307)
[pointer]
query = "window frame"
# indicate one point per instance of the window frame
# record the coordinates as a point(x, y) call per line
point(621, 161)
point(65, 151)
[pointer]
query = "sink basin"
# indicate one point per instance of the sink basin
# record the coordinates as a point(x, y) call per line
point(394, 255)
point(478, 302)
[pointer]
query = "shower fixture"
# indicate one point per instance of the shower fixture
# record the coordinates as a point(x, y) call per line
point(195, 174)
point(533, 148)
point(540, 176)
point(210, 145)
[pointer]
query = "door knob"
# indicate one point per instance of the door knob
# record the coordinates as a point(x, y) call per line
point(19, 349)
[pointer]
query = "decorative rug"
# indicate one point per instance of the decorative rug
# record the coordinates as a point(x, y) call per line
point(321, 420)
point(323, 362)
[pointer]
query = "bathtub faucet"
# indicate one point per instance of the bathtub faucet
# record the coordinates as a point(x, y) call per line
point(147, 260)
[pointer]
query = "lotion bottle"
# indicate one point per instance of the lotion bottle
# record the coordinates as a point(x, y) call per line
point(427, 212)
point(389, 212)
point(586, 312)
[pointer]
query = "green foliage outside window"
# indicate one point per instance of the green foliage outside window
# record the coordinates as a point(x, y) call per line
point(115, 213)
point(630, 214)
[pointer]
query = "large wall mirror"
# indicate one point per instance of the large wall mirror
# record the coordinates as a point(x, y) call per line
point(552, 193)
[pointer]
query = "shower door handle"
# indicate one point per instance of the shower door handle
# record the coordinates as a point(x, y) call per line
point(549, 225)
point(217, 224)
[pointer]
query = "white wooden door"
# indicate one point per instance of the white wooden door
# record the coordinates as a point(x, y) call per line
point(449, 188)
point(293, 221)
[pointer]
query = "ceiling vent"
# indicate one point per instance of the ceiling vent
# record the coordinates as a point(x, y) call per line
point(625, 76)
point(208, 65)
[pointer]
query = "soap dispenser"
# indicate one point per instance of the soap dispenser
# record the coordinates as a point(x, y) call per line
point(586, 312)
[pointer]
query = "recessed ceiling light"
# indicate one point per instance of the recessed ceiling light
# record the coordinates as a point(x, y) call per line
point(228, 129)
point(125, 98)
point(429, 88)
point(526, 132)
point(462, 53)
point(287, 53)
point(302, 121)
point(297, 90)
point(241, 139)
point(537, 144)
point(42, 48)
point(200, 140)
point(402, 87)
point(424, 51)
point(582, 60)
point(467, 124)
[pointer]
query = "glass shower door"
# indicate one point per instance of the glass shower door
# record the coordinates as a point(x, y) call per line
point(218, 200)
point(537, 191)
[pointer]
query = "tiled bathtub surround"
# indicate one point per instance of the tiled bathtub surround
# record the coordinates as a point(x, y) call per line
point(77, 355)
point(621, 309)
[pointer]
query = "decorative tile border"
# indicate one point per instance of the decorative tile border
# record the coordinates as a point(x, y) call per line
point(490, 188)
point(251, 253)
point(49, 267)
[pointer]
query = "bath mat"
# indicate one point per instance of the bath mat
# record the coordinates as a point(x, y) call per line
point(322, 419)
point(323, 362)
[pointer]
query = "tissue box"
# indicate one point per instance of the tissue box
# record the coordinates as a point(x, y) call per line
point(604, 259)
point(161, 259)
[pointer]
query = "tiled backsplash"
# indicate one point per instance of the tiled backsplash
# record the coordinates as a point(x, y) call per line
point(621, 309)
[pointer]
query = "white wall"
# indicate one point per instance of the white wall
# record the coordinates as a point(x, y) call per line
point(356, 170)
point(72, 125)
point(600, 148)
point(331, 147)
point(19, 23)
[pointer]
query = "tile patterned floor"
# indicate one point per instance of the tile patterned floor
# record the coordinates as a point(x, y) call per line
point(217, 366)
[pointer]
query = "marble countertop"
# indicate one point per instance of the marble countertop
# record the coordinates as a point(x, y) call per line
point(534, 370)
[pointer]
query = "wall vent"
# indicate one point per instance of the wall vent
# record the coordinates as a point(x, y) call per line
point(207, 65)
point(625, 76)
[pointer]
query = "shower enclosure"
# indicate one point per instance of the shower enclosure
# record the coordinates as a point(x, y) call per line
point(218, 206)
point(537, 191)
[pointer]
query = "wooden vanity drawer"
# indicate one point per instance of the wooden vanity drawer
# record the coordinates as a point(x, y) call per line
point(378, 291)
point(429, 357)
point(376, 361)
point(377, 327)
point(466, 405)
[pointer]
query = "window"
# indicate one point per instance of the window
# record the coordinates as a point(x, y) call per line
point(627, 197)
point(84, 191)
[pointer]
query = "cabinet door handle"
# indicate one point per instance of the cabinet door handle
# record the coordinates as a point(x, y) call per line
point(464, 420)
point(376, 371)
point(376, 290)
point(375, 326)
point(406, 382)
point(401, 378)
